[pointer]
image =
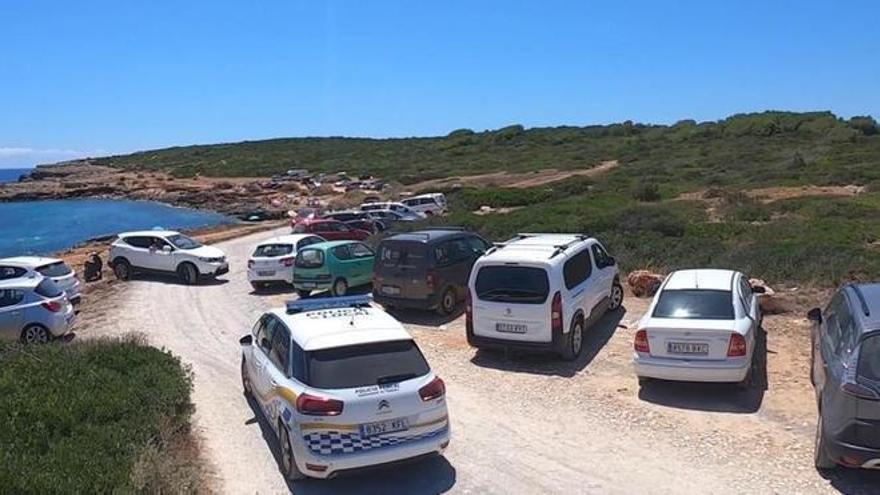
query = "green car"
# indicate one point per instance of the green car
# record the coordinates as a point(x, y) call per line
point(333, 266)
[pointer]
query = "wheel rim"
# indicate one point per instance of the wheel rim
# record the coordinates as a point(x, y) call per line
point(121, 270)
point(286, 452)
point(616, 296)
point(340, 288)
point(448, 302)
point(577, 339)
point(35, 335)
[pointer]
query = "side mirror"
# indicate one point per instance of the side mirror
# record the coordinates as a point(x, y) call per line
point(611, 261)
point(815, 314)
point(759, 289)
point(246, 340)
point(166, 249)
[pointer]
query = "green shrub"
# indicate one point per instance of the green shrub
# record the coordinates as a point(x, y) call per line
point(639, 219)
point(76, 418)
point(646, 192)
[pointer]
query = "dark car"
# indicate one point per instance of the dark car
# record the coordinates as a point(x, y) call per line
point(426, 269)
point(332, 230)
point(846, 376)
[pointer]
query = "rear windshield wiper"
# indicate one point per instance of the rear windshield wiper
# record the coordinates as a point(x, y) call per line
point(382, 380)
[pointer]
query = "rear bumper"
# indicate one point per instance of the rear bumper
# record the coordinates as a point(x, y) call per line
point(854, 456)
point(278, 276)
point(682, 370)
point(480, 342)
point(300, 284)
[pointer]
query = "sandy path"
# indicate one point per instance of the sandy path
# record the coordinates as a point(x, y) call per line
point(524, 424)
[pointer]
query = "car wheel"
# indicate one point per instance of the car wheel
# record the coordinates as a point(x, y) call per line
point(447, 302)
point(122, 269)
point(340, 287)
point(35, 334)
point(644, 380)
point(616, 296)
point(820, 452)
point(245, 379)
point(574, 343)
point(288, 463)
point(257, 286)
point(188, 274)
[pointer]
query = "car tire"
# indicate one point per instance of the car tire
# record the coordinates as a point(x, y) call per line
point(340, 287)
point(746, 383)
point(616, 296)
point(820, 453)
point(35, 334)
point(574, 341)
point(288, 462)
point(188, 273)
point(245, 380)
point(644, 380)
point(122, 269)
point(256, 286)
point(447, 302)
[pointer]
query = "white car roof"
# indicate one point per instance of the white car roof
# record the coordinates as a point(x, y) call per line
point(28, 261)
point(340, 327)
point(21, 282)
point(160, 233)
point(707, 279)
point(286, 239)
point(534, 248)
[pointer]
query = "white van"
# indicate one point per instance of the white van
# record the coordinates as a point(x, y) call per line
point(429, 204)
point(540, 291)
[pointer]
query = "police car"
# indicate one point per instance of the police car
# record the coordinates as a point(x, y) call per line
point(344, 386)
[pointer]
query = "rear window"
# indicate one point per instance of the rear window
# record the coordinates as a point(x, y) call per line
point(58, 269)
point(869, 359)
point(310, 258)
point(401, 254)
point(512, 284)
point(48, 288)
point(9, 272)
point(695, 304)
point(273, 250)
point(363, 365)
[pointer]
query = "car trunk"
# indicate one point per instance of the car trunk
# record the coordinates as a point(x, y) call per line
point(401, 270)
point(271, 259)
point(692, 340)
point(512, 302)
point(60, 273)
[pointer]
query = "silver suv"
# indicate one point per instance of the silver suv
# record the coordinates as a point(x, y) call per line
point(33, 310)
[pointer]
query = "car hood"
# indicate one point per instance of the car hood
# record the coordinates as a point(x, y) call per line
point(206, 252)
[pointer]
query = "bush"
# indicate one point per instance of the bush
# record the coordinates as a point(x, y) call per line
point(640, 219)
point(647, 192)
point(77, 418)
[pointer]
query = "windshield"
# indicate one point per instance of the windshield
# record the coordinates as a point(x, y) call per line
point(58, 269)
point(367, 364)
point(273, 250)
point(512, 284)
point(181, 241)
point(310, 258)
point(695, 304)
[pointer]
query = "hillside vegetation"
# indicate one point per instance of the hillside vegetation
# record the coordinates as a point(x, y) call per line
point(636, 207)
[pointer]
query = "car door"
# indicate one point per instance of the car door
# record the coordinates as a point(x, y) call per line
point(137, 250)
point(605, 271)
point(261, 349)
point(748, 305)
point(11, 314)
point(277, 368)
point(578, 278)
point(164, 256)
point(826, 362)
point(456, 270)
point(364, 258)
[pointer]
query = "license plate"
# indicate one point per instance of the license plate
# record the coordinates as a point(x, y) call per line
point(266, 273)
point(510, 328)
point(390, 290)
point(687, 348)
point(390, 426)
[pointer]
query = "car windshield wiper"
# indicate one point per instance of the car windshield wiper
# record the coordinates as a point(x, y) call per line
point(382, 380)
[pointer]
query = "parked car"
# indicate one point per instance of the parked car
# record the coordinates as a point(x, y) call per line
point(393, 206)
point(345, 215)
point(541, 291)
point(331, 230)
point(845, 373)
point(700, 327)
point(34, 310)
point(54, 268)
point(165, 251)
point(429, 204)
point(426, 269)
point(343, 386)
point(272, 259)
point(335, 266)
point(390, 217)
point(367, 225)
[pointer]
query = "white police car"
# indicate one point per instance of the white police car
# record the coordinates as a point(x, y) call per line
point(344, 385)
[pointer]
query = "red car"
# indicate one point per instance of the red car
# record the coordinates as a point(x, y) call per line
point(331, 230)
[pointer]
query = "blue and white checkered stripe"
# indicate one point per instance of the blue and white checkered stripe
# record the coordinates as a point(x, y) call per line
point(334, 442)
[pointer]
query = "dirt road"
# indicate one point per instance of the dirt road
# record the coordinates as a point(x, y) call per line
point(521, 424)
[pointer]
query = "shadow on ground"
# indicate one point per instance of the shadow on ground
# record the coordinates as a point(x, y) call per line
point(853, 481)
point(171, 279)
point(424, 476)
point(595, 338)
point(425, 318)
point(714, 397)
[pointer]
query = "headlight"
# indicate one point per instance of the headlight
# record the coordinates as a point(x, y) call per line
point(212, 260)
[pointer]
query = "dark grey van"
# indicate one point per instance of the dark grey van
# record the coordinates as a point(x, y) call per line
point(846, 377)
point(426, 269)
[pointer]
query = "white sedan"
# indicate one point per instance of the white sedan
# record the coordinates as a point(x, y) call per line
point(701, 327)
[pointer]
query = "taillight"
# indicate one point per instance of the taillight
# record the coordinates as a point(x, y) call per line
point(288, 261)
point(53, 306)
point(250, 263)
point(641, 342)
point(433, 390)
point(431, 280)
point(318, 406)
point(737, 346)
point(469, 311)
point(556, 313)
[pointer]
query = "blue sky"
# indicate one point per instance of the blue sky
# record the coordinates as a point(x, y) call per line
point(109, 77)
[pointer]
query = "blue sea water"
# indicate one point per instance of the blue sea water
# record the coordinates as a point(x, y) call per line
point(12, 174)
point(41, 227)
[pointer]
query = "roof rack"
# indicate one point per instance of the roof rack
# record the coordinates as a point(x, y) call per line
point(305, 305)
point(560, 248)
point(862, 300)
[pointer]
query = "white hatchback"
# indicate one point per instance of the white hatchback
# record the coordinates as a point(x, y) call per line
point(344, 386)
point(272, 259)
point(700, 327)
point(34, 266)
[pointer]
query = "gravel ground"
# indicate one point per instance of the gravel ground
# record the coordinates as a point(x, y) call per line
point(521, 423)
